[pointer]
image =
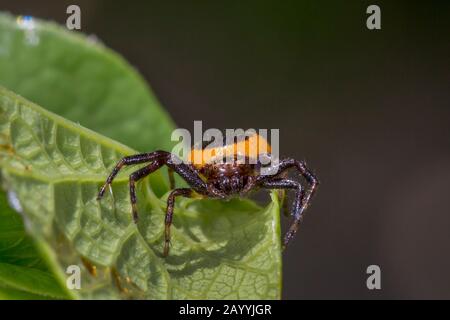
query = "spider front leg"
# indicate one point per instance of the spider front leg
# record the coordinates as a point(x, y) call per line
point(157, 159)
point(127, 161)
point(185, 192)
point(301, 203)
point(285, 184)
point(185, 171)
point(135, 177)
point(313, 183)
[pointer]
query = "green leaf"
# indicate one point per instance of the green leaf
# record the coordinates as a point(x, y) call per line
point(7, 293)
point(219, 249)
point(78, 78)
point(23, 273)
point(55, 167)
point(30, 280)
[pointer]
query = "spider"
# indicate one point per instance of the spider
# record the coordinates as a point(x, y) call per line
point(215, 178)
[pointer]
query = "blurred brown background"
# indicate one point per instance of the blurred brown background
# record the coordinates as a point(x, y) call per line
point(368, 110)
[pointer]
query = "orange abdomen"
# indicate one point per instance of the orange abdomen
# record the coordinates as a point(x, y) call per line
point(250, 147)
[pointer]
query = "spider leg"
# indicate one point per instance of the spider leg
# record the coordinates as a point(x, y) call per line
point(135, 177)
point(313, 183)
point(127, 161)
point(301, 168)
point(165, 158)
point(157, 159)
point(297, 205)
point(188, 173)
point(185, 192)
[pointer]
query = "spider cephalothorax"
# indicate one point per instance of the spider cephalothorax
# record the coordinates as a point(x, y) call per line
point(210, 174)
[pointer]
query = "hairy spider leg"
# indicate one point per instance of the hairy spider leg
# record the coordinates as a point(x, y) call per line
point(185, 192)
point(284, 184)
point(126, 161)
point(135, 177)
point(313, 183)
point(157, 159)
